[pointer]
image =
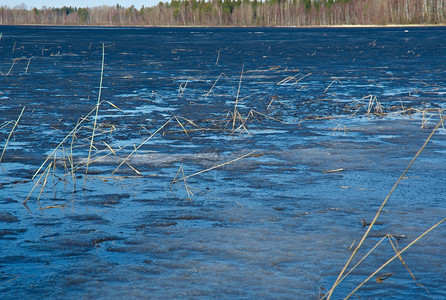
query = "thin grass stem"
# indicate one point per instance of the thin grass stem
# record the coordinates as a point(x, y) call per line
point(96, 114)
point(38, 181)
point(10, 133)
point(184, 129)
point(27, 66)
point(212, 87)
point(214, 167)
point(218, 57)
point(44, 182)
point(395, 248)
point(12, 66)
point(236, 99)
point(145, 141)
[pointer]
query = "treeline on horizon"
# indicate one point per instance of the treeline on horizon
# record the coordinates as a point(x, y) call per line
point(238, 13)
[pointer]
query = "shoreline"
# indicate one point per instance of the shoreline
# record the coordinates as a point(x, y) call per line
point(204, 26)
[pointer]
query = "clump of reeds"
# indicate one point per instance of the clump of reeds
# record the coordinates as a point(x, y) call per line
point(342, 275)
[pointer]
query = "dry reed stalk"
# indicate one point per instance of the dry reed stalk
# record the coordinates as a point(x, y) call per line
point(10, 69)
point(289, 78)
point(379, 109)
point(195, 130)
point(271, 102)
point(402, 107)
point(114, 153)
point(61, 206)
point(359, 262)
point(114, 106)
point(38, 181)
point(71, 157)
point(27, 66)
point(189, 121)
point(423, 120)
point(265, 116)
point(251, 114)
point(239, 204)
point(297, 81)
point(384, 277)
point(401, 112)
point(397, 255)
point(13, 48)
point(441, 118)
point(106, 178)
point(176, 176)
point(381, 208)
point(145, 128)
point(274, 68)
point(44, 183)
point(188, 190)
point(184, 129)
point(286, 80)
point(94, 158)
point(214, 167)
point(375, 105)
point(218, 57)
point(354, 188)
point(353, 104)
point(387, 236)
point(242, 121)
point(331, 85)
point(98, 132)
point(65, 158)
point(10, 133)
point(333, 171)
point(135, 170)
point(54, 168)
point(6, 123)
point(14, 278)
point(1, 34)
point(212, 87)
point(236, 99)
point(96, 114)
point(338, 128)
point(182, 88)
point(395, 248)
point(244, 98)
point(351, 246)
point(145, 141)
point(274, 99)
point(370, 106)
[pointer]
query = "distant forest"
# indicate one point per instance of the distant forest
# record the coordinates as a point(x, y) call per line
point(238, 13)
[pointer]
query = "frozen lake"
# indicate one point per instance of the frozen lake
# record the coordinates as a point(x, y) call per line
point(225, 163)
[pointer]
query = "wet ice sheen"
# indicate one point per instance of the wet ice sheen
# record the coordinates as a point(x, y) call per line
point(273, 225)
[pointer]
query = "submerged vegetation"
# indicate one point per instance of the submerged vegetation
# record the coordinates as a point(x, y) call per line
point(238, 13)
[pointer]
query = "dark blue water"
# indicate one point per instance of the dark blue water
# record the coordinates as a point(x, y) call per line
point(271, 223)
